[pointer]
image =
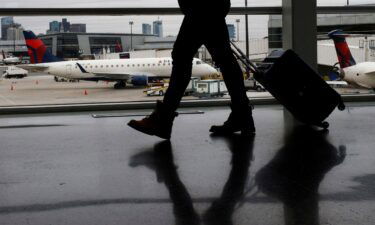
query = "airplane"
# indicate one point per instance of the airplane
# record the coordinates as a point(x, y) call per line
point(361, 74)
point(10, 60)
point(137, 71)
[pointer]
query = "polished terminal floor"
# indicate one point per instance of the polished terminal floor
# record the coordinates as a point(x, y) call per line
point(76, 169)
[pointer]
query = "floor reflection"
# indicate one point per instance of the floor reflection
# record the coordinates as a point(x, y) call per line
point(221, 210)
point(161, 161)
point(293, 176)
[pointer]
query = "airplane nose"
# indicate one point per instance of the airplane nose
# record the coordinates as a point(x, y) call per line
point(213, 70)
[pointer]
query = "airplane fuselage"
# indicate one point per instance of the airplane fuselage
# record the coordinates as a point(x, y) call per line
point(160, 67)
point(11, 61)
point(361, 74)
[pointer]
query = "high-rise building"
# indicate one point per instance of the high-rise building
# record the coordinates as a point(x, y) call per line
point(78, 27)
point(146, 29)
point(6, 22)
point(54, 27)
point(64, 25)
point(158, 28)
point(15, 32)
point(231, 31)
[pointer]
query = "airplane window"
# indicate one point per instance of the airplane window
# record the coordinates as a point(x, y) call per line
point(143, 65)
point(122, 65)
point(111, 65)
point(101, 66)
point(107, 66)
point(96, 66)
point(164, 64)
point(153, 64)
point(128, 65)
point(138, 65)
point(116, 65)
point(199, 62)
point(133, 65)
point(149, 65)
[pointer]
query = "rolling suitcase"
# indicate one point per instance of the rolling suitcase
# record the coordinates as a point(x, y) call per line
point(295, 85)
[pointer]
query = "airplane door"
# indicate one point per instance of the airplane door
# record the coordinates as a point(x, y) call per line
point(68, 69)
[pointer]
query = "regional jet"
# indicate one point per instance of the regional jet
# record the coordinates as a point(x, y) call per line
point(137, 71)
point(361, 74)
point(10, 60)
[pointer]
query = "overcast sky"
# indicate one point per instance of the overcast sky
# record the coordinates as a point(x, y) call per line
point(120, 24)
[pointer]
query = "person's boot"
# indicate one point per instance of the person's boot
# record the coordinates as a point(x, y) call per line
point(159, 123)
point(240, 119)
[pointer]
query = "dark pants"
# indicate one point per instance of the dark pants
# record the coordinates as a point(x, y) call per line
point(213, 33)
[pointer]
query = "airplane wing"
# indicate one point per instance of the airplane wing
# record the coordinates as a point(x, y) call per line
point(336, 82)
point(372, 73)
point(121, 76)
point(33, 67)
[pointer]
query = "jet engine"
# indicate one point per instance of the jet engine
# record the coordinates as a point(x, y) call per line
point(141, 80)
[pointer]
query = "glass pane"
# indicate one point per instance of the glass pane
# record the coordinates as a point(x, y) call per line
point(120, 3)
point(107, 39)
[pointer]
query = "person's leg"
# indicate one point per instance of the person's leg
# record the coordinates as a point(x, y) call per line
point(184, 49)
point(161, 120)
point(218, 44)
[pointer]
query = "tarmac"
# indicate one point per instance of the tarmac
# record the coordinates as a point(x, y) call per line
point(40, 89)
point(71, 168)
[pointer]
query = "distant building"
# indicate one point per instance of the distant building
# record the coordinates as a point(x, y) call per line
point(350, 23)
point(64, 25)
point(78, 28)
point(6, 22)
point(158, 28)
point(152, 43)
point(15, 32)
point(54, 27)
point(73, 44)
point(231, 31)
point(146, 29)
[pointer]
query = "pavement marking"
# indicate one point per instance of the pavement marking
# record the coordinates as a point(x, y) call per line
point(7, 100)
point(140, 114)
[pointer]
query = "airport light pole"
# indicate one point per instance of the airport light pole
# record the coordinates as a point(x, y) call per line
point(14, 39)
point(247, 39)
point(131, 35)
point(247, 32)
point(238, 29)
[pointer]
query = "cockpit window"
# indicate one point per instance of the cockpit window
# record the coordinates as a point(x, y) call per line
point(199, 62)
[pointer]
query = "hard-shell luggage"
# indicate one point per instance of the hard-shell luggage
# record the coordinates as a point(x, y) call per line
point(296, 86)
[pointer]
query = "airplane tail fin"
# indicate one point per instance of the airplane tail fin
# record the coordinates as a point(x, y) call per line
point(342, 49)
point(37, 51)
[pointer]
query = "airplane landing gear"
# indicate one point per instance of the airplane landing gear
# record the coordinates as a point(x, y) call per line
point(120, 85)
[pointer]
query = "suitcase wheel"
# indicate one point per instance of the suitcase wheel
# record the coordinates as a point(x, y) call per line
point(324, 125)
point(341, 106)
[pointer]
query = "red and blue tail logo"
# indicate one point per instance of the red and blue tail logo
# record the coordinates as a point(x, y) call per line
point(37, 51)
point(343, 52)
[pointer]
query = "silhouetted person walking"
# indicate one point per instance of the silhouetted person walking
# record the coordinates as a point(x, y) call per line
point(204, 24)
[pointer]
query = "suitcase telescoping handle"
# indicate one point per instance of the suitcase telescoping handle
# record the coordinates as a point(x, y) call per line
point(237, 52)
